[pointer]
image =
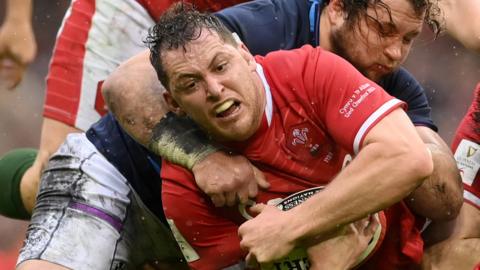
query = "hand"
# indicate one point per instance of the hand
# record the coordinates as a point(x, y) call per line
point(226, 178)
point(343, 250)
point(266, 237)
point(17, 50)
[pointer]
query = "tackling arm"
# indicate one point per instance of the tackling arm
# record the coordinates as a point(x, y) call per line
point(134, 95)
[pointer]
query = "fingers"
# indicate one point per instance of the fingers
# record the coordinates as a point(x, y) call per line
point(251, 261)
point(257, 208)
point(260, 178)
point(260, 181)
point(218, 200)
point(18, 42)
point(359, 225)
point(372, 226)
point(231, 198)
point(11, 73)
point(252, 189)
point(243, 195)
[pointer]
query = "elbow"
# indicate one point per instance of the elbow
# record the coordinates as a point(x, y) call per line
point(447, 184)
point(420, 166)
point(424, 163)
point(440, 197)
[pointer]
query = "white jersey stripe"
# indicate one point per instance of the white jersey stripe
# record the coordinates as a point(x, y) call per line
point(471, 197)
point(370, 121)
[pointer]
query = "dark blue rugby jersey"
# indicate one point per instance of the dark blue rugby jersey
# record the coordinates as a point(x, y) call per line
point(135, 163)
point(268, 25)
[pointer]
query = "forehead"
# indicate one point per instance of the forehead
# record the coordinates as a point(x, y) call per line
point(196, 56)
point(402, 14)
point(207, 43)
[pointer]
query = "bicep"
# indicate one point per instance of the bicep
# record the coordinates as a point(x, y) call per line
point(394, 129)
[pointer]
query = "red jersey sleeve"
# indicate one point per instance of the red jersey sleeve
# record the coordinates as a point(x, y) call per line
point(347, 103)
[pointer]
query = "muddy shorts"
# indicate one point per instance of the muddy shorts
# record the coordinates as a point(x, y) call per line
point(88, 217)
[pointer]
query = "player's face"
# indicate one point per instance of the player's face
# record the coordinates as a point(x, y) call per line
point(216, 84)
point(377, 49)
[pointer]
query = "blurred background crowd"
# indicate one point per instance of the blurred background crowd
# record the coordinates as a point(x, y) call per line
point(446, 70)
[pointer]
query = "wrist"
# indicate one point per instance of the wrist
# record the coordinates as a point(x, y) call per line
point(179, 140)
point(296, 230)
point(17, 21)
point(19, 11)
point(202, 160)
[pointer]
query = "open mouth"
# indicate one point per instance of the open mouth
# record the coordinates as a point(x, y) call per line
point(227, 108)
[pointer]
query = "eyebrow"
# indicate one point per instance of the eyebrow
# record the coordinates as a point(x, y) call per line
point(388, 26)
point(185, 76)
point(413, 33)
point(214, 60)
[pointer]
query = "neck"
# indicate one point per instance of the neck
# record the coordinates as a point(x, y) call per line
point(325, 30)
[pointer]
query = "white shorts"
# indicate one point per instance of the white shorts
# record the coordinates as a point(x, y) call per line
point(88, 217)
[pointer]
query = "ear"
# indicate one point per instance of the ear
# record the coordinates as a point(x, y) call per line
point(172, 104)
point(245, 53)
point(335, 13)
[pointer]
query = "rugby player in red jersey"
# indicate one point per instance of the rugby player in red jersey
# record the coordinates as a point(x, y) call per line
point(312, 118)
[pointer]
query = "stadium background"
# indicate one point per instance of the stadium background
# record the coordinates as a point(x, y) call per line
point(447, 71)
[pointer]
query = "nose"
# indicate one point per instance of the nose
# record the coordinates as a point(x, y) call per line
point(394, 50)
point(214, 87)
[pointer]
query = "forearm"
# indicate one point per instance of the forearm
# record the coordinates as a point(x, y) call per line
point(373, 181)
point(134, 87)
point(439, 198)
point(180, 141)
point(18, 11)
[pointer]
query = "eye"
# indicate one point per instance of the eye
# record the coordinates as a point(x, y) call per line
point(221, 67)
point(387, 31)
point(409, 38)
point(407, 41)
point(190, 85)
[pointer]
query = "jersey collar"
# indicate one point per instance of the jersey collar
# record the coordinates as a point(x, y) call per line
point(268, 94)
point(316, 7)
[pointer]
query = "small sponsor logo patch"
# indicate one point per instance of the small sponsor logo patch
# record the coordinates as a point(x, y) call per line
point(468, 160)
point(471, 151)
